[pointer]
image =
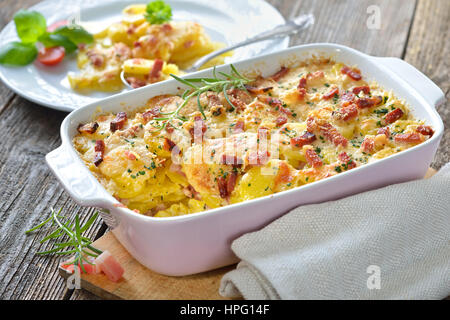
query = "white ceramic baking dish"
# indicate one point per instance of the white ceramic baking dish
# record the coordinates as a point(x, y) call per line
point(198, 242)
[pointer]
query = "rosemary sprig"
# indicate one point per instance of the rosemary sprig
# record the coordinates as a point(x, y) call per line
point(78, 245)
point(197, 86)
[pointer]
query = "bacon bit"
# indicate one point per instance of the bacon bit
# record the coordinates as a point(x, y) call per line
point(301, 88)
point(188, 44)
point(301, 83)
point(256, 90)
point(278, 104)
point(280, 120)
point(346, 160)
point(96, 59)
point(198, 123)
point(137, 44)
point(368, 144)
point(347, 113)
point(156, 69)
point(281, 73)
point(118, 122)
point(365, 89)
point(166, 27)
point(88, 128)
point(408, 138)
point(99, 152)
point(425, 130)
point(385, 131)
point(313, 158)
point(150, 114)
point(130, 155)
point(258, 158)
point(169, 144)
point(347, 96)
point(81, 46)
point(330, 94)
point(352, 73)
point(330, 132)
point(136, 82)
point(131, 30)
point(284, 174)
point(190, 192)
point(226, 184)
point(122, 51)
point(109, 266)
point(306, 138)
point(169, 128)
point(316, 75)
point(239, 127)
point(368, 102)
point(393, 116)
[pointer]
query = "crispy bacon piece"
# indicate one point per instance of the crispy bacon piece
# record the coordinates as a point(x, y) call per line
point(226, 184)
point(136, 82)
point(330, 94)
point(347, 113)
point(150, 114)
point(385, 131)
point(156, 69)
point(239, 98)
point(301, 88)
point(200, 125)
point(99, 152)
point(365, 89)
point(118, 122)
point(393, 116)
point(280, 120)
point(258, 158)
point(330, 132)
point(368, 145)
point(281, 73)
point(96, 59)
point(88, 127)
point(411, 137)
point(425, 130)
point(368, 102)
point(278, 104)
point(346, 160)
point(304, 139)
point(239, 127)
point(313, 158)
point(284, 174)
point(234, 161)
point(256, 90)
point(166, 27)
point(352, 73)
point(169, 144)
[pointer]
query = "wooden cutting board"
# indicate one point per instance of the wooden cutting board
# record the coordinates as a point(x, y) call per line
point(139, 282)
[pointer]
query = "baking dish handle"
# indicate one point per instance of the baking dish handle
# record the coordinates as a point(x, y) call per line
point(80, 185)
point(427, 88)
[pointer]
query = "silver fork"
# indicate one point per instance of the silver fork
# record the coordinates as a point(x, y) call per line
point(291, 27)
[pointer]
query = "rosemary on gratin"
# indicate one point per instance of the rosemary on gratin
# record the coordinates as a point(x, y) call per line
point(197, 86)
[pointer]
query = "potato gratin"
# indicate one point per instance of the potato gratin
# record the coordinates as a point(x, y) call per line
point(319, 119)
point(146, 52)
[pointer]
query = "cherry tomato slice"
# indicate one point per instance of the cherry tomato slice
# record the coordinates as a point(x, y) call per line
point(51, 56)
point(56, 25)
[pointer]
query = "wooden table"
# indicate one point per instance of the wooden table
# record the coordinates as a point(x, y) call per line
point(415, 30)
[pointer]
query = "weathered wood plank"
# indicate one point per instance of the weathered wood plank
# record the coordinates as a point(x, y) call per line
point(428, 50)
point(28, 190)
point(344, 22)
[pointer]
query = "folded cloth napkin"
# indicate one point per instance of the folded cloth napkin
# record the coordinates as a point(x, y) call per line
point(389, 243)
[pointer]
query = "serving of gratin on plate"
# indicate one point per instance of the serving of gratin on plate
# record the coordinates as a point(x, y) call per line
point(241, 139)
point(147, 49)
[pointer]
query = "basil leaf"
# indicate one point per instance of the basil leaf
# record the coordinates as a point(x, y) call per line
point(30, 25)
point(75, 33)
point(18, 53)
point(158, 12)
point(55, 40)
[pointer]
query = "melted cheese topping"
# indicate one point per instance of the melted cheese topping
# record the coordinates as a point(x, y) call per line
point(320, 119)
point(134, 45)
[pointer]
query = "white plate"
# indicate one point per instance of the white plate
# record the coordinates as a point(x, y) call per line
point(226, 21)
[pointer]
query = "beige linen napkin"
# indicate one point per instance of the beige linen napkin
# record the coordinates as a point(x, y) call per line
point(390, 243)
